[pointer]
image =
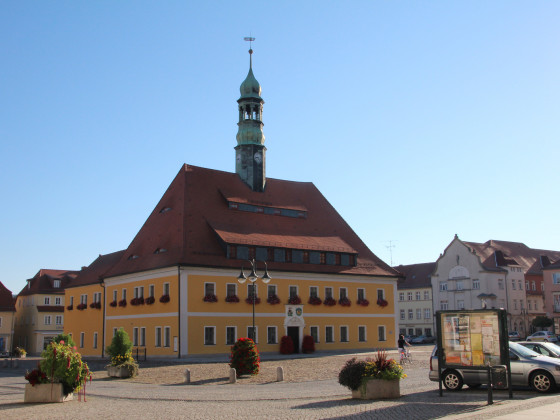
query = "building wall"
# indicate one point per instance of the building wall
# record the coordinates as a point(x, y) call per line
point(87, 322)
point(551, 279)
point(416, 299)
point(6, 325)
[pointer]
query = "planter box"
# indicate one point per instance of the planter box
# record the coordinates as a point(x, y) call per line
point(45, 393)
point(378, 389)
point(118, 371)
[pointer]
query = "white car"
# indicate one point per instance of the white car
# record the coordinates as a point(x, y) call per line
point(543, 336)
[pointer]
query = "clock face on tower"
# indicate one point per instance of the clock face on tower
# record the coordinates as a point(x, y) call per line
point(258, 157)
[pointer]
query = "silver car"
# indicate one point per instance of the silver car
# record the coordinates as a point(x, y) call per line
point(541, 347)
point(543, 336)
point(540, 372)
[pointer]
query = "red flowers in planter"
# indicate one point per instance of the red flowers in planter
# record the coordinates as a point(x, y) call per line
point(382, 302)
point(314, 300)
point(232, 299)
point(95, 305)
point(81, 306)
point(137, 301)
point(294, 300)
point(211, 297)
point(329, 301)
point(164, 299)
point(113, 304)
point(122, 303)
point(69, 307)
point(149, 300)
point(273, 300)
point(344, 301)
point(363, 302)
point(255, 298)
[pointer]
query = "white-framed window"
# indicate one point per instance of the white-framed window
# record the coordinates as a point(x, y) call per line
point(513, 284)
point(82, 339)
point(514, 303)
point(534, 285)
point(56, 284)
point(94, 340)
point(519, 284)
point(476, 284)
point(528, 303)
point(361, 293)
point(409, 296)
point(58, 320)
point(527, 286)
point(114, 331)
point(444, 305)
point(329, 334)
point(427, 313)
point(143, 336)
point(328, 293)
point(293, 291)
point(403, 314)
point(342, 292)
point(418, 313)
point(47, 300)
point(344, 333)
point(209, 289)
point(71, 300)
point(271, 290)
point(152, 290)
point(381, 333)
point(556, 278)
point(362, 333)
point(167, 337)
point(115, 295)
point(418, 295)
point(83, 299)
point(135, 336)
point(460, 304)
point(459, 284)
point(47, 320)
point(314, 332)
point(138, 292)
point(401, 296)
point(410, 314)
point(381, 294)
point(313, 291)
point(500, 284)
point(231, 289)
point(253, 334)
point(231, 335)
point(252, 290)
point(442, 286)
point(158, 337)
point(123, 296)
point(271, 335)
point(426, 295)
point(166, 288)
point(209, 336)
point(57, 300)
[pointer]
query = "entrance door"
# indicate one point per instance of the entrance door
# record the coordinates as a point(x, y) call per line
point(293, 332)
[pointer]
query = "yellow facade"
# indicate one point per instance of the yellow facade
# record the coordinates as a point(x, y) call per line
point(85, 324)
point(6, 330)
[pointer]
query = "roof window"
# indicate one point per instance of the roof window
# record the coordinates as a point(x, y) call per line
point(165, 210)
point(160, 250)
point(133, 257)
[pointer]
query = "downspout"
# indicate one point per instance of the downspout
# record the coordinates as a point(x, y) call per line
point(179, 311)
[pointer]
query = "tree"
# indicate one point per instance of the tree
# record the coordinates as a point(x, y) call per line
point(542, 322)
point(120, 345)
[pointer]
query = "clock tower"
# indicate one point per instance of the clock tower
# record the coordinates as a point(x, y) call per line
point(250, 153)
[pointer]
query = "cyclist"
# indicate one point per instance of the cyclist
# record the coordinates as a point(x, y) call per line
point(401, 344)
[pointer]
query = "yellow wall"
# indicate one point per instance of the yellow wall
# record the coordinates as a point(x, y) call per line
point(87, 321)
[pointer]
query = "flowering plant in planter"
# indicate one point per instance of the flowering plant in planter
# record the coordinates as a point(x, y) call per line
point(232, 299)
point(164, 299)
point(122, 303)
point(273, 300)
point(20, 352)
point(251, 298)
point(149, 300)
point(120, 351)
point(245, 357)
point(36, 376)
point(344, 301)
point(81, 306)
point(210, 297)
point(70, 307)
point(61, 364)
point(314, 300)
point(294, 300)
point(363, 302)
point(137, 301)
point(95, 305)
point(113, 304)
point(356, 371)
point(382, 302)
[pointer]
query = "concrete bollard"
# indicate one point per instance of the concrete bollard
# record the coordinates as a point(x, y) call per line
point(187, 376)
point(279, 374)
point(232, 376)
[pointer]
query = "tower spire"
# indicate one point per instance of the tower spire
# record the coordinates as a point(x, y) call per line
point(250, 151)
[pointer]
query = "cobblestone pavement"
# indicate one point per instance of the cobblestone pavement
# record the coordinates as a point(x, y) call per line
point(315, 399)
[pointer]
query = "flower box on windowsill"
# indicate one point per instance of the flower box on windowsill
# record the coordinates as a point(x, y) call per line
point(210, 298)
point(113, 304)
point(314, 300)
point(294, 300)
point(45, 393)
point(232, 299)
point(81, 306)
point(382, 302)
point(95, 305)
point(164, 299)
point(149, 300)
point(329, 302)
point(137, 301)
point(69, 307)
point(344, 302)
point(363, 302)
point(273, 300)
point(251, 298)
point(122, 303)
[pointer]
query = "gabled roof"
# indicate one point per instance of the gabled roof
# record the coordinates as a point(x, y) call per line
point(554, 266)
point(198, 216)
point(504, 253)
point(7, 301)
point(43, 282)
point(415, 275)
point(96, 270)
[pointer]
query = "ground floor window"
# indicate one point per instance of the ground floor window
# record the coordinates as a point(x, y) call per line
point(418, 331)
point(362, 334)
point(158, 337)
point(428, 332)
point(143, 336)
point(271, 335)
point(209, 336)
point(253, 333)
point(82, 339)
point(314, 332)
point(231, 335)
point(135, 336)
point(381, 333)
point(329, 334)
point(94, 340)
point(167, 337)
point(343, 333)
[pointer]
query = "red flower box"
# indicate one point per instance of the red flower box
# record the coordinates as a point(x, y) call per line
point(113, 304)
point(344, 302)
point(251, 298)
point(149, 300)
point(329, 302)
point(294, 300)
point(95, 305)
point(69, 307)
point(382, 302)
point(314, 300)
point(232, 299)
point(164, 299)
point(81, 306)
point(273, 300)
point(210, 298)
point(122, 303)
point(137, 301)
point(363, 302)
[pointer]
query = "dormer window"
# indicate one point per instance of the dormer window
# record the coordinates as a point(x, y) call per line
point(56, 284)
point(165, 210)
point(133, 257)
point(160, 250)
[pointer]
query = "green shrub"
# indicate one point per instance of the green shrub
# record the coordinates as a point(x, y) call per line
point(67, 338)
point(245, 357)
point(351, 374)
point(120, 351)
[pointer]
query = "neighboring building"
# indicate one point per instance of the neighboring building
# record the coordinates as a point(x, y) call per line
point(7, 310)
point(40, 310)
point(415, 299)
point(551, 273)
point(495, 273)
point(175, 289)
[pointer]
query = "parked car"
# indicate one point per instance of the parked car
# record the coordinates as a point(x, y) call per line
point(546, 349)
point(514, 336)
point(543, 336)
point(409, 338)
point(423, 339)
point(528, 368)
point(4, 353)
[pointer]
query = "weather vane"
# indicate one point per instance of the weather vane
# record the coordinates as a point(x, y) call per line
point(250, 39)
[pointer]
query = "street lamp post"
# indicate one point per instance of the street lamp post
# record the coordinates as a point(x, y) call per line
point(253, 277)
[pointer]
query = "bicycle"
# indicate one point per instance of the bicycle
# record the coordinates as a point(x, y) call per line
point(406, 357)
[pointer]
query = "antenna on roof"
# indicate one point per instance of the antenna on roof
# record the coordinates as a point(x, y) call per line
point(390, 248)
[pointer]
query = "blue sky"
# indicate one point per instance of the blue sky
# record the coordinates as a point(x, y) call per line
point(416, 119)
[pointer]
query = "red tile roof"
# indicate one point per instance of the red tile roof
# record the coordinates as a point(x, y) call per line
point(193, 220)
point(43, 282)
point(415, 275)
point(7, 301)
point(96, 270)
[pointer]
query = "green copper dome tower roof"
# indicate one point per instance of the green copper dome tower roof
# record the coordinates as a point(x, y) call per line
point(250, 88)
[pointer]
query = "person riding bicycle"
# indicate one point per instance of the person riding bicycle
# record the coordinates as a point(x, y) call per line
point(401, 343)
